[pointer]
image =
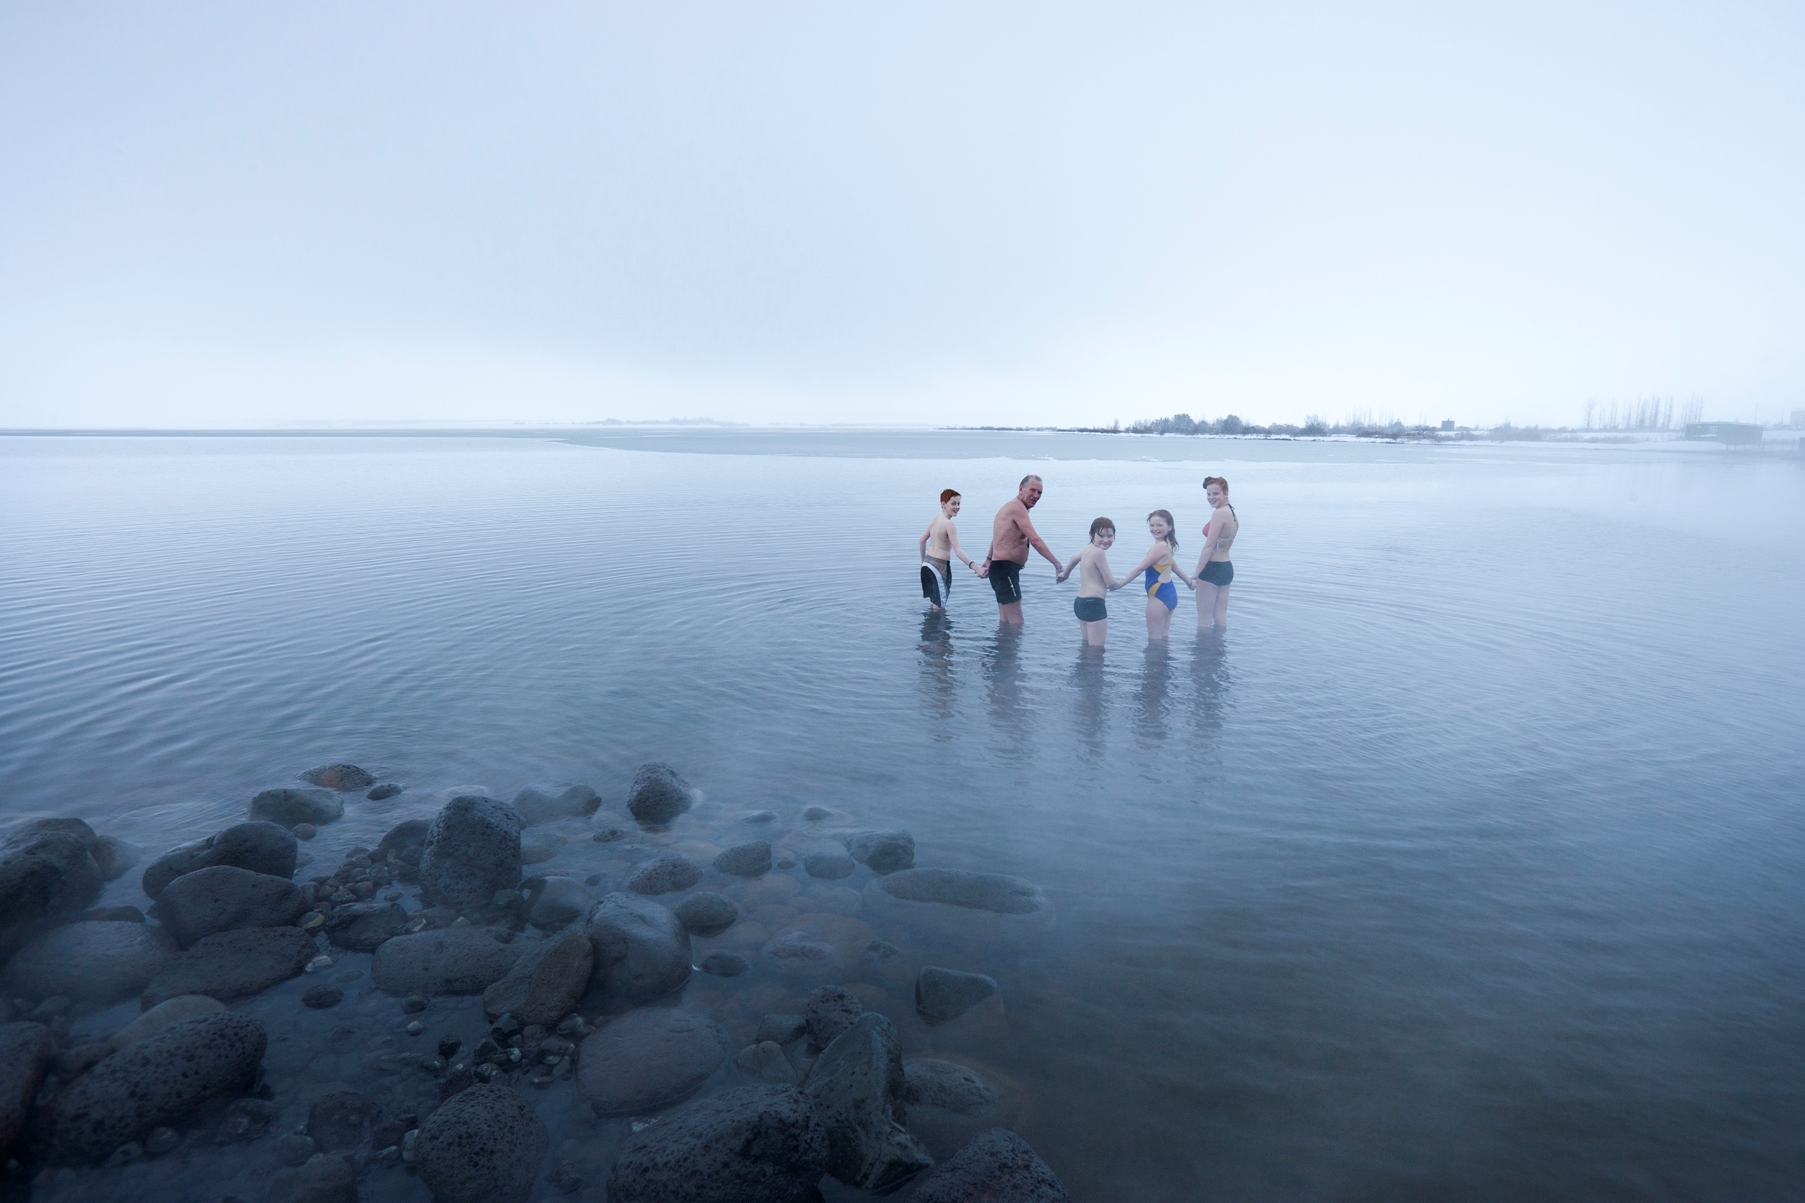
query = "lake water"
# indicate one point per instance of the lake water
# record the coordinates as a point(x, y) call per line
point(1466, 865)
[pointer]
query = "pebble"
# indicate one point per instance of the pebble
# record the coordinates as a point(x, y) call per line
point(320, 997)
point(341, 778)
point(815, 814)
point(413, 1004)
point(832, 866)
point(542, 804)
point(305, 831)
point(881, 851)
point(760, 816)
point(607, 835)
point(958, 887)
point(287, 807)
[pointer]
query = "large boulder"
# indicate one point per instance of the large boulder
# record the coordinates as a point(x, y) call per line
point(546, 983)
point(659, 794)
point(959, 887)
point(97, 961)
point(881, 851)
point(483, 1145)
point(756, 1144)
point(225, 898)
point(48, 875)
point(289, 807)
point(542, 804)
point(260, 847)
point(25, 1053)
point(365, 926)
point(858, 1088)
point(340, 778)
point(233, 964)
point(647, 1059)
point(642, 952)
point(451, 960)
point(472, 850)
point(997, 1166)
point(152, 1083)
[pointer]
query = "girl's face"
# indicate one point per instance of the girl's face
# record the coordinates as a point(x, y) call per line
point(1104, 539)
point(951, 508)
point(1159, 528)
point(1217, 497)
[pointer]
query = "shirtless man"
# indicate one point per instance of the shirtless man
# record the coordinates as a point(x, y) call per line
point(1010, 537)
point(938, 544)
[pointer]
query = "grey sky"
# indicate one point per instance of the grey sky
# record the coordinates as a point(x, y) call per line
point(241, 214)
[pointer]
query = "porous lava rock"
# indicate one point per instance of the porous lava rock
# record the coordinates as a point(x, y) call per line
point(233, 964)
point(224, 898)
point(289, 807)
point(641, 952)
point(830, 1010)
point(451, 960)
point(664, 875)
point(165, 1014)
point(546, 983)
point(259, 846)
point(745, 860)
point(365, 926)
point(340, 778)
point(647, 1059)
point(48, 875)
point(383, 792)
point(755, 1144)
point(659, 794)
point(25, 1053)
point(857, 1086)
point(97, 961)
point(998, 1166)
point(483, 1145)
point(471, 850)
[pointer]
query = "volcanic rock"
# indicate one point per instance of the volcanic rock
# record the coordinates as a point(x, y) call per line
point(47, 875)
point(288, 807)
point(997, 1166)
point(383, 792)
point(641, 953)
point(766, 1062)
point(233, 964)
point(958, 887)
point(831, 866)
point(365, 926)
point(659, 794)
point(343, 1120)
point(451, 960)
point(260, 847)
point(829, 1011)
point(483, 1145)
point(546, 983)
point(857, 1088)
point(98, 961)
point(706, 914)
point(647, 1059)
point(322, 1178)
point(225, 898)
point(942, 995)
point(25, 1053)
point(724, 964)
point(664, 875)
point(554, 902)
point(165, 1014)
point(881, 851)
point(472, 850)
point(746, 860)
point(340, 778)
point(536, 804)
point(756, 1144)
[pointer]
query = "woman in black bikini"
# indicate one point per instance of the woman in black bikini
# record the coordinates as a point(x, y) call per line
point(1214, 569)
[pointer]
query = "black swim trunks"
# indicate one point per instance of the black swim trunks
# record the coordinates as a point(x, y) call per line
point(1090, 609)
point(937, 581)
point(1006, 580)
point(1217, 572)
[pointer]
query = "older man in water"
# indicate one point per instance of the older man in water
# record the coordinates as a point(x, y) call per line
point(1010, 537)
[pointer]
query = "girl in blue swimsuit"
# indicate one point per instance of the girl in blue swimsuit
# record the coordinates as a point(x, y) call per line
point(1157, 564)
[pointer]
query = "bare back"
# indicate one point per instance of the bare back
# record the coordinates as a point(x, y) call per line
point(940, 538)
point(1223, 526)
point(1010, 533)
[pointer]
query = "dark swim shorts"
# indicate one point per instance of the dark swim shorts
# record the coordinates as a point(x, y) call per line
point(1217, 572)
point(1006, 580)
point(935, 575)
point(1090, 609)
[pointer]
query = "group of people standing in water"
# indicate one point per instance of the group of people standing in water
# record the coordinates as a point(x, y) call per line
point(1013, 535)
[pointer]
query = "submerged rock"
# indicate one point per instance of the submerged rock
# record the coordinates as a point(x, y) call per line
point(647, 1059)
point(724, 964)
point(165, 1014)
point(781, 1029)
point(756, 1144)
point(340, 778)
point(483, 1145)
point(760, 816)
point(957, 887)
point(383, 792)
point(999, 1166)
point(746, 860)
point(97, 961)
point(48, 874)
point(641, 952)
point(365, 926)
point(555, 902)
point(223, 898)
point(25, 1053)
point(818, 947)
point(664, 875)
point(343, 1120)
point(706, 914)
point(882, 851)
point(451, 960)
point(942, 995)
point(830, 866)
point(322, 996)
point(471, 850)
point(659, 794)
point(405, 841)
point(857, 1087)
point(766, 1062)
point(288, 807)
point(542, 804)
point(153, 1082)
point(233, 964)
point(830, 1011)
point(322, 1178)
point(260, 847)
point(546, 983)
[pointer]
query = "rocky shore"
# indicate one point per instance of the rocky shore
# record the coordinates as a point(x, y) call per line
point(653, 998)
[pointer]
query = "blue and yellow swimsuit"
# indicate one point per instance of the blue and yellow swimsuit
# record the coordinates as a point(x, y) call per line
point(1159, 583)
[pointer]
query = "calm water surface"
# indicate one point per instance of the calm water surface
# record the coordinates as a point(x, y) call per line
point(1468, 865)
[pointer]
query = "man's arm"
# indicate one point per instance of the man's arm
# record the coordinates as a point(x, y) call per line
point(1026, 526)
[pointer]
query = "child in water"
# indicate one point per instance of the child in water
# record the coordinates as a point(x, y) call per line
point(938, 544)
point(1095, 581)
point(1162, 594)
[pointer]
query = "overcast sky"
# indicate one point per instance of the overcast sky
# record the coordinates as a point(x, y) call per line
point(243, 214)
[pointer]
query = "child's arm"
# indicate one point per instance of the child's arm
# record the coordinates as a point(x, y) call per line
point(922, 543)
point(952, 538)
point(1182, 575)
point(1109, 578)
point(1066, 569)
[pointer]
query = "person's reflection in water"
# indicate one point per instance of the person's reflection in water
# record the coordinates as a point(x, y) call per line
point(939, 685)
point(1210, 682)
point(1156, 680)
point(1003, 680)
point(1089, 711)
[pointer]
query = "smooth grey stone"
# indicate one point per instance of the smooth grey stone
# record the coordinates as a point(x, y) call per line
point(48, 875)
point(224, 898)
point(958, 887)
point(830, 1010)
point(114, 856)
point(541, 848)
point(365, 926)
point(340, 778)
point(647, 1059)
point(831, 866)
point(383, 792)
point(322, 1178)
point(664, 875)
point(233, 964)
point(781, 1029)
point(724, 964)
point(997, 1166)
point(542, 804)
point(165, 1014)
point(756, 1144)
point(405, 841)
point(659, 794)
point(947, 1086)
point(291, 806)
point(942, 995)
point(760, 816)
point(766, 1062)
point(706, 913)
point(321, 997)
point(99, 961)
point(450, 960)
point(857, 1088)
point(882, 851)
point(342, 1120)
point(555, 902)
point(154, 1082)
point(815, 814)
point(642, 952)
point(260, 847)
point(25, 1053)
point(471, 851)
point(483, 1145)
point(745, 860)
point(546, 983)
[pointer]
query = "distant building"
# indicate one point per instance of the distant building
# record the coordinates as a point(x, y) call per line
point(1731, 434)
point(1798, 417)
point(1448, 423)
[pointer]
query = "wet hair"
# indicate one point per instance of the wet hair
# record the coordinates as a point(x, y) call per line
point(1171, 526)
point(947, 495)
point(1028, 478)
point(1217, 480)
point(1098, 524)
